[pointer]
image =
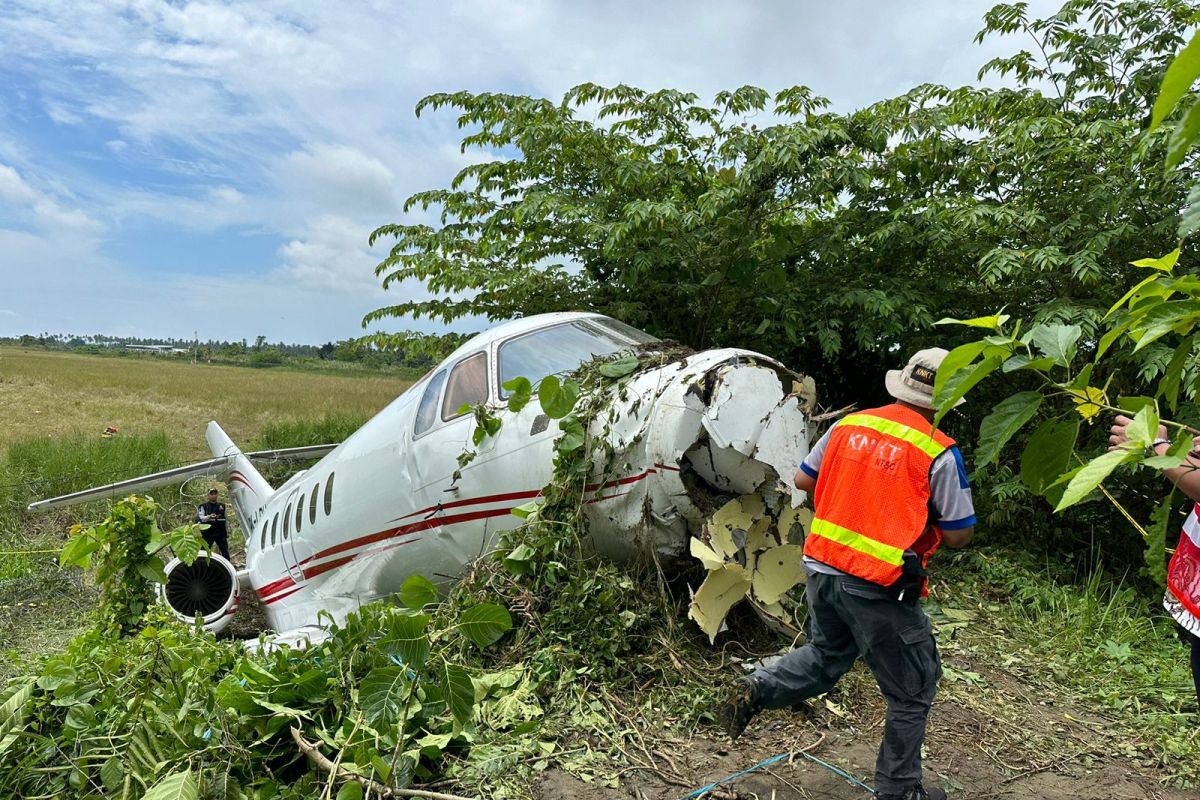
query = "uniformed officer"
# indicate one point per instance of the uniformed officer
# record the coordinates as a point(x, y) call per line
point(212, 514)
point(887, 490)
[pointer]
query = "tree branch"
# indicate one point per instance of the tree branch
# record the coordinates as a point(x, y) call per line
point(321, 762)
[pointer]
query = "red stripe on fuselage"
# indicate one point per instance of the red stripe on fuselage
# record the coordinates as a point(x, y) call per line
point(282, 595)
point(274, 586)
point(402, 531)
point(495, 498)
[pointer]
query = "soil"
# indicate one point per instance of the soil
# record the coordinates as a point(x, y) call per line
point(985, 742)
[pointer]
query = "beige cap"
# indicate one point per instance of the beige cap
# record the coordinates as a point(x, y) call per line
point(914, 383)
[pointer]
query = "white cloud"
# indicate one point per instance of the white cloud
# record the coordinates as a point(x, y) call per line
point(331, 253)
point(339, 177)
point(42, 209)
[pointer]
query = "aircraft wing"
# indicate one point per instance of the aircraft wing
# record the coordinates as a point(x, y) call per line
point(212, 468)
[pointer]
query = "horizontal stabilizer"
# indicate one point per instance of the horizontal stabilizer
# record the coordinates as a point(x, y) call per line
point(291, 453)
point(216, 468)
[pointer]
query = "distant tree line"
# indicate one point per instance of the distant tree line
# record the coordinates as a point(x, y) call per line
point(411, 350)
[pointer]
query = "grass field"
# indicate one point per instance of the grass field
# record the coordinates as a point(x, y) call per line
point(53, 394)
point(54, 407)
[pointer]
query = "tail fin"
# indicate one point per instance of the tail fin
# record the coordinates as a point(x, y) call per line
point(248, 489)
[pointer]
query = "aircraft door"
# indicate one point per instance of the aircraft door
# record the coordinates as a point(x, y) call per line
point(453, 505)
point(292, 511)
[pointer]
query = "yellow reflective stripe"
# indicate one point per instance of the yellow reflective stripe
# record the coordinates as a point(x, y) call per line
point(923, 441)
point(856, 541)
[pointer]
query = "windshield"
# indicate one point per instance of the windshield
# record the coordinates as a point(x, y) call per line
point(564, 347)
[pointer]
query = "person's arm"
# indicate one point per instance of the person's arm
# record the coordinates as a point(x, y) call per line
point(200, 514)
point(950, 494)
point(806, 476)
point(1185, 477)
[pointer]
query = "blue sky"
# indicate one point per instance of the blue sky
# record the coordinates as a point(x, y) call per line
point(177, 167)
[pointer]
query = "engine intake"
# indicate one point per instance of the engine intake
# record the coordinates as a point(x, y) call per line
point(207, 588)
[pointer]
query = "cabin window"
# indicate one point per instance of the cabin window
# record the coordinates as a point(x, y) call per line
point(468, 385)
point(312, 504)
point(329, 495)
point(287, 522)
point(564, 347)
point(427, 411)
point(299, 513)
point(274, 528)
point(262, 534)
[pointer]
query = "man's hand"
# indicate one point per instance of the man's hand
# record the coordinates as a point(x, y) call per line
point(1118, 433)
point(959, 538)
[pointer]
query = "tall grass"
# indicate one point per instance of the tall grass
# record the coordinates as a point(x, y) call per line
point(1094, 633)
point(332, 428)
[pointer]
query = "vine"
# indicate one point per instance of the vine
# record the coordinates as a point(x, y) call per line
point(126, 546)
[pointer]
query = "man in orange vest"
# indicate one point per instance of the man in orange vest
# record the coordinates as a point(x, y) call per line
point(887, 490)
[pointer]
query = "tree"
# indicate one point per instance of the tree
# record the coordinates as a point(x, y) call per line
point(829, 240)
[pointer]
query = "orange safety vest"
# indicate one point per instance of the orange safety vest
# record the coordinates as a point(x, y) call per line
point(872, 494)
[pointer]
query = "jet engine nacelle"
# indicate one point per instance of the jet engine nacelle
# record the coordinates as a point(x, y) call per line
point(207, 588)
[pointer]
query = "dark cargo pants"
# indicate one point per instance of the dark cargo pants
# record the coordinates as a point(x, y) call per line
point(848, 617)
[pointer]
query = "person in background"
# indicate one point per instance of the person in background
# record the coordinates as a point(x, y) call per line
point(1182, 599)
point(887, 489)
point(212, 514)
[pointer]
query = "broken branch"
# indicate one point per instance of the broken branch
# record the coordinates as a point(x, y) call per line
point(322, 762)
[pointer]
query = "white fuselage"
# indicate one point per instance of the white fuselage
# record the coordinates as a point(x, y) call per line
point(385, 505)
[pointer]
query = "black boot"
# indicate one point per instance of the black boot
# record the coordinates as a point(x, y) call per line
point(917, 792)
point(739, 708)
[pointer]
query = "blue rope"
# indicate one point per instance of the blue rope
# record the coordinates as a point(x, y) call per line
point(774, 760)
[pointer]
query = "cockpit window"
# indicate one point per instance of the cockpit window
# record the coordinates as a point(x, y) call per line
point(564, 347)
point(427, 411)
point(468, 385)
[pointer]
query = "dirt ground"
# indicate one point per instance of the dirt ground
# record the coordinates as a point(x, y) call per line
point(1032, 749)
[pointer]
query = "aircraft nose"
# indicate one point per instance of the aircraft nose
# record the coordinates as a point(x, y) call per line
point(754, 428)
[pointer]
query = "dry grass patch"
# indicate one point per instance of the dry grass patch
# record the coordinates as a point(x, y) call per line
point(52, 394)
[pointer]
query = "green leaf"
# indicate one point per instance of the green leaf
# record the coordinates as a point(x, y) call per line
point(1144, 428)
point(1168, 387)
point(460, 692)
point(14, 710)
point(383, 694)
point(181, 785)
point(406, 638)
point(78, 551)
point(1026, 361)
point(520, 393)
point(961, 385)
point(485, 623)
point(417, 591)
point(1163, 264)
point(954, 362)
point(56, 673)
point(1058, 342)
point(994, 321)
point(712, 279)
point(573, 435)
point(1183, 136)
point(557, 399)
point(1007, 417)
point(1189, 219)
point(1048, 454)
point(1125, 297)
point(1178, 79)
point(351, 790)
point(1176, 455)
point(112, 774)
point(1093, 474)
point(620, 368)
point(152, 570)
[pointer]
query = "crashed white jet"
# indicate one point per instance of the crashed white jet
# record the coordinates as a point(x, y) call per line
point(385, 504)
